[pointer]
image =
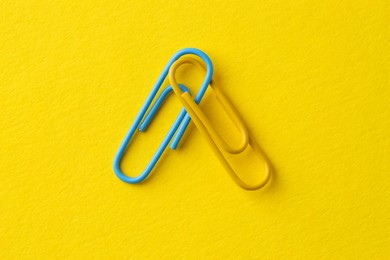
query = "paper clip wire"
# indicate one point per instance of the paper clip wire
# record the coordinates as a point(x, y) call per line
point(178, 127)
point(213, 138)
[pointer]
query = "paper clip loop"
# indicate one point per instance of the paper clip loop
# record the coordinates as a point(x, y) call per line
point(178, 127)
point(213, 138)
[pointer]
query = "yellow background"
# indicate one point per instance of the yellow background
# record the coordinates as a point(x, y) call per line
point(310, 78)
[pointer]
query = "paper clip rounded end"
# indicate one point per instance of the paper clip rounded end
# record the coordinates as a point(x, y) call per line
point(267, 176)
point(118, 172)
point(260, 185)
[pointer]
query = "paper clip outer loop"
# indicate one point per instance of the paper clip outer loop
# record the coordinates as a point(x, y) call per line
point(204, 126)
point(181, 121)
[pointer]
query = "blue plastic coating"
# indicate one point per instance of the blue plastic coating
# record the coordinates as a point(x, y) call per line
point(157, 104)
point(181, 121)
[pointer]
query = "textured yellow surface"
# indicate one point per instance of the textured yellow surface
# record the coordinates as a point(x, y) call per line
point(311, 79)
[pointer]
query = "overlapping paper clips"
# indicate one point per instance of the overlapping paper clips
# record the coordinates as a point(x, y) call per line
point(190, 111)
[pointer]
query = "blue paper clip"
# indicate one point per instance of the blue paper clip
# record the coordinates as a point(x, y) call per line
point(179, 125)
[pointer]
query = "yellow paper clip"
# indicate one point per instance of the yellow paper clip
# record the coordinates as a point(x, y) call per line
point(213, 138)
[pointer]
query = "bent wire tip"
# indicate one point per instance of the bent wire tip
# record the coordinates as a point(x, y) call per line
point(157, 105)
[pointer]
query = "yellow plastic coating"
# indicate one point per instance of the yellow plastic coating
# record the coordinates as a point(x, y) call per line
point(213, 138)
point(232, 114)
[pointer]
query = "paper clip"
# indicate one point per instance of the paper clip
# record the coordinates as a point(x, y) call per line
point(178, 127)
point(215, 141)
